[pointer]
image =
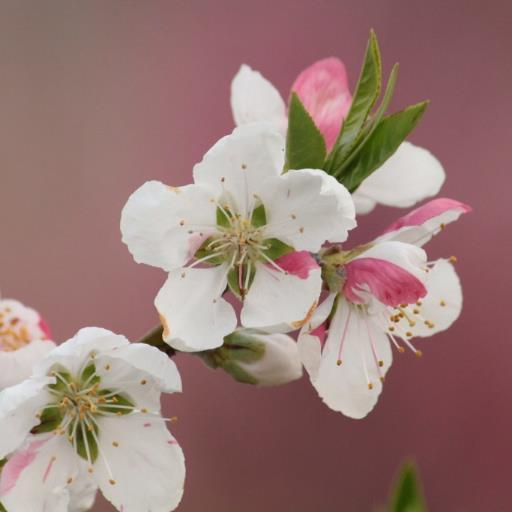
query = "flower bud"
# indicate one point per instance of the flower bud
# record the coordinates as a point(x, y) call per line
point(256, 357)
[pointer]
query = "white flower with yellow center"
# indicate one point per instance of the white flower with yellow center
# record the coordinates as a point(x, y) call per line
point(24, 340)
point(89, 416)
point(246, 225)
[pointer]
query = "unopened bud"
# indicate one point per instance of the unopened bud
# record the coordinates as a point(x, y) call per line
point(256, 357)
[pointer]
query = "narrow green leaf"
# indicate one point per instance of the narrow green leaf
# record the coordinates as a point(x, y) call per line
point(371, 125)
point(51, 418)
point(407, 495)
point(276, 248)
point(366, 94)
point(381, 144)
point(305, 145)
point(259, 216)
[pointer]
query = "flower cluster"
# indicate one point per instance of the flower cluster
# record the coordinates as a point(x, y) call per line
point(264, 224)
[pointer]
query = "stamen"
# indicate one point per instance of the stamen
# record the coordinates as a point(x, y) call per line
point(344, 335)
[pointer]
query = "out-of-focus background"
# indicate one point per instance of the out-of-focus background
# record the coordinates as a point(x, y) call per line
point(97, 97)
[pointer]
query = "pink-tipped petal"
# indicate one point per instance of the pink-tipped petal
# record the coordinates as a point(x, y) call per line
point(418, 226)
point(323, 89)
point(298, 263)
point(388, 282)
point(45, 329)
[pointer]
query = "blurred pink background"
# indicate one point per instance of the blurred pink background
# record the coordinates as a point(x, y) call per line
point(99, 96)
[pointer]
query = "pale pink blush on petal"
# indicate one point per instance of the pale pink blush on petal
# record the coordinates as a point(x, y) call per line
point(16, 464)
point(299, 263)
point(195, 241)
point(323, 89)
point(320, 333)
point(389, 283)
point(427, 212)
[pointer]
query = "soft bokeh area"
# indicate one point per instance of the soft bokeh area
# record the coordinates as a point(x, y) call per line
point(97, 97)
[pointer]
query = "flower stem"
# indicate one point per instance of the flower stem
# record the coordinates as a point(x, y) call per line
point(155, 339)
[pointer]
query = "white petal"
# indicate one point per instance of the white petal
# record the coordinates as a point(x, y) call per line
point(195, 315)
point(151, 363)
point(158, 222)
point(19, 405)
point(33, 480)
point(237, 164)
point(147, 464)
point(18, 365)
point(279, 301)
point(255, 99)
point(82, 492)
point(408, 176)
point(442, 304)
point(72, 353)
point(345, 387)
point(305, 208)
point(362, 203)
point(309, 345)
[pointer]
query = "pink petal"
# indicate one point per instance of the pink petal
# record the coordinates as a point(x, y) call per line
point(389, 283)
point(323, 89)
point(429, 211)
point(320, 332)
point(16, 464)
point(299, 263)
point(46, 330)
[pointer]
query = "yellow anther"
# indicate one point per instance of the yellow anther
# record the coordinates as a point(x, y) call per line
point(452, 259)
point(115, 444)
point(419, 353)
point(143, 382)
point(442, 303)
point(408, 334)
point(339, 362)
point(370, 386)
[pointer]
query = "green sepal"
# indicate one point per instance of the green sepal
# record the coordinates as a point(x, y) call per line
point(305, 144)
point(3, 462)
point(259, 216)
point(87, 373)
point(381, 144)
point(80, 440)
point(364, 98)
point(51, 418)
point(244, 345)
point(2, 508)
point(222, 220)
point(203, 252)
point(233, 280)
point(407, 495)
point(239, 374)
point(118, 399)
point(275, 248)
point(61, 382)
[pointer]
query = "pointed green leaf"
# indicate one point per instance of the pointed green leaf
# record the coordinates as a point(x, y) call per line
point(366, 94)
point(370, 126)
point(407, 495)
point(381, 144)
point(305, 145)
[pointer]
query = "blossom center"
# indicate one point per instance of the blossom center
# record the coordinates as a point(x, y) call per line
point(78, 401)
point(14, 334)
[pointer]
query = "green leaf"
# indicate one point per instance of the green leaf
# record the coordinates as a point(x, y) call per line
point(381, 144)
point(366, 94)
point(259, 216)
point(407, 495)
point(51, 418)
point(275, 248)
point(370, 126)
point(305, 145)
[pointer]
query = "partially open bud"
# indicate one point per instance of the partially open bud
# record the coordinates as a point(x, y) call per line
point(256, 357)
